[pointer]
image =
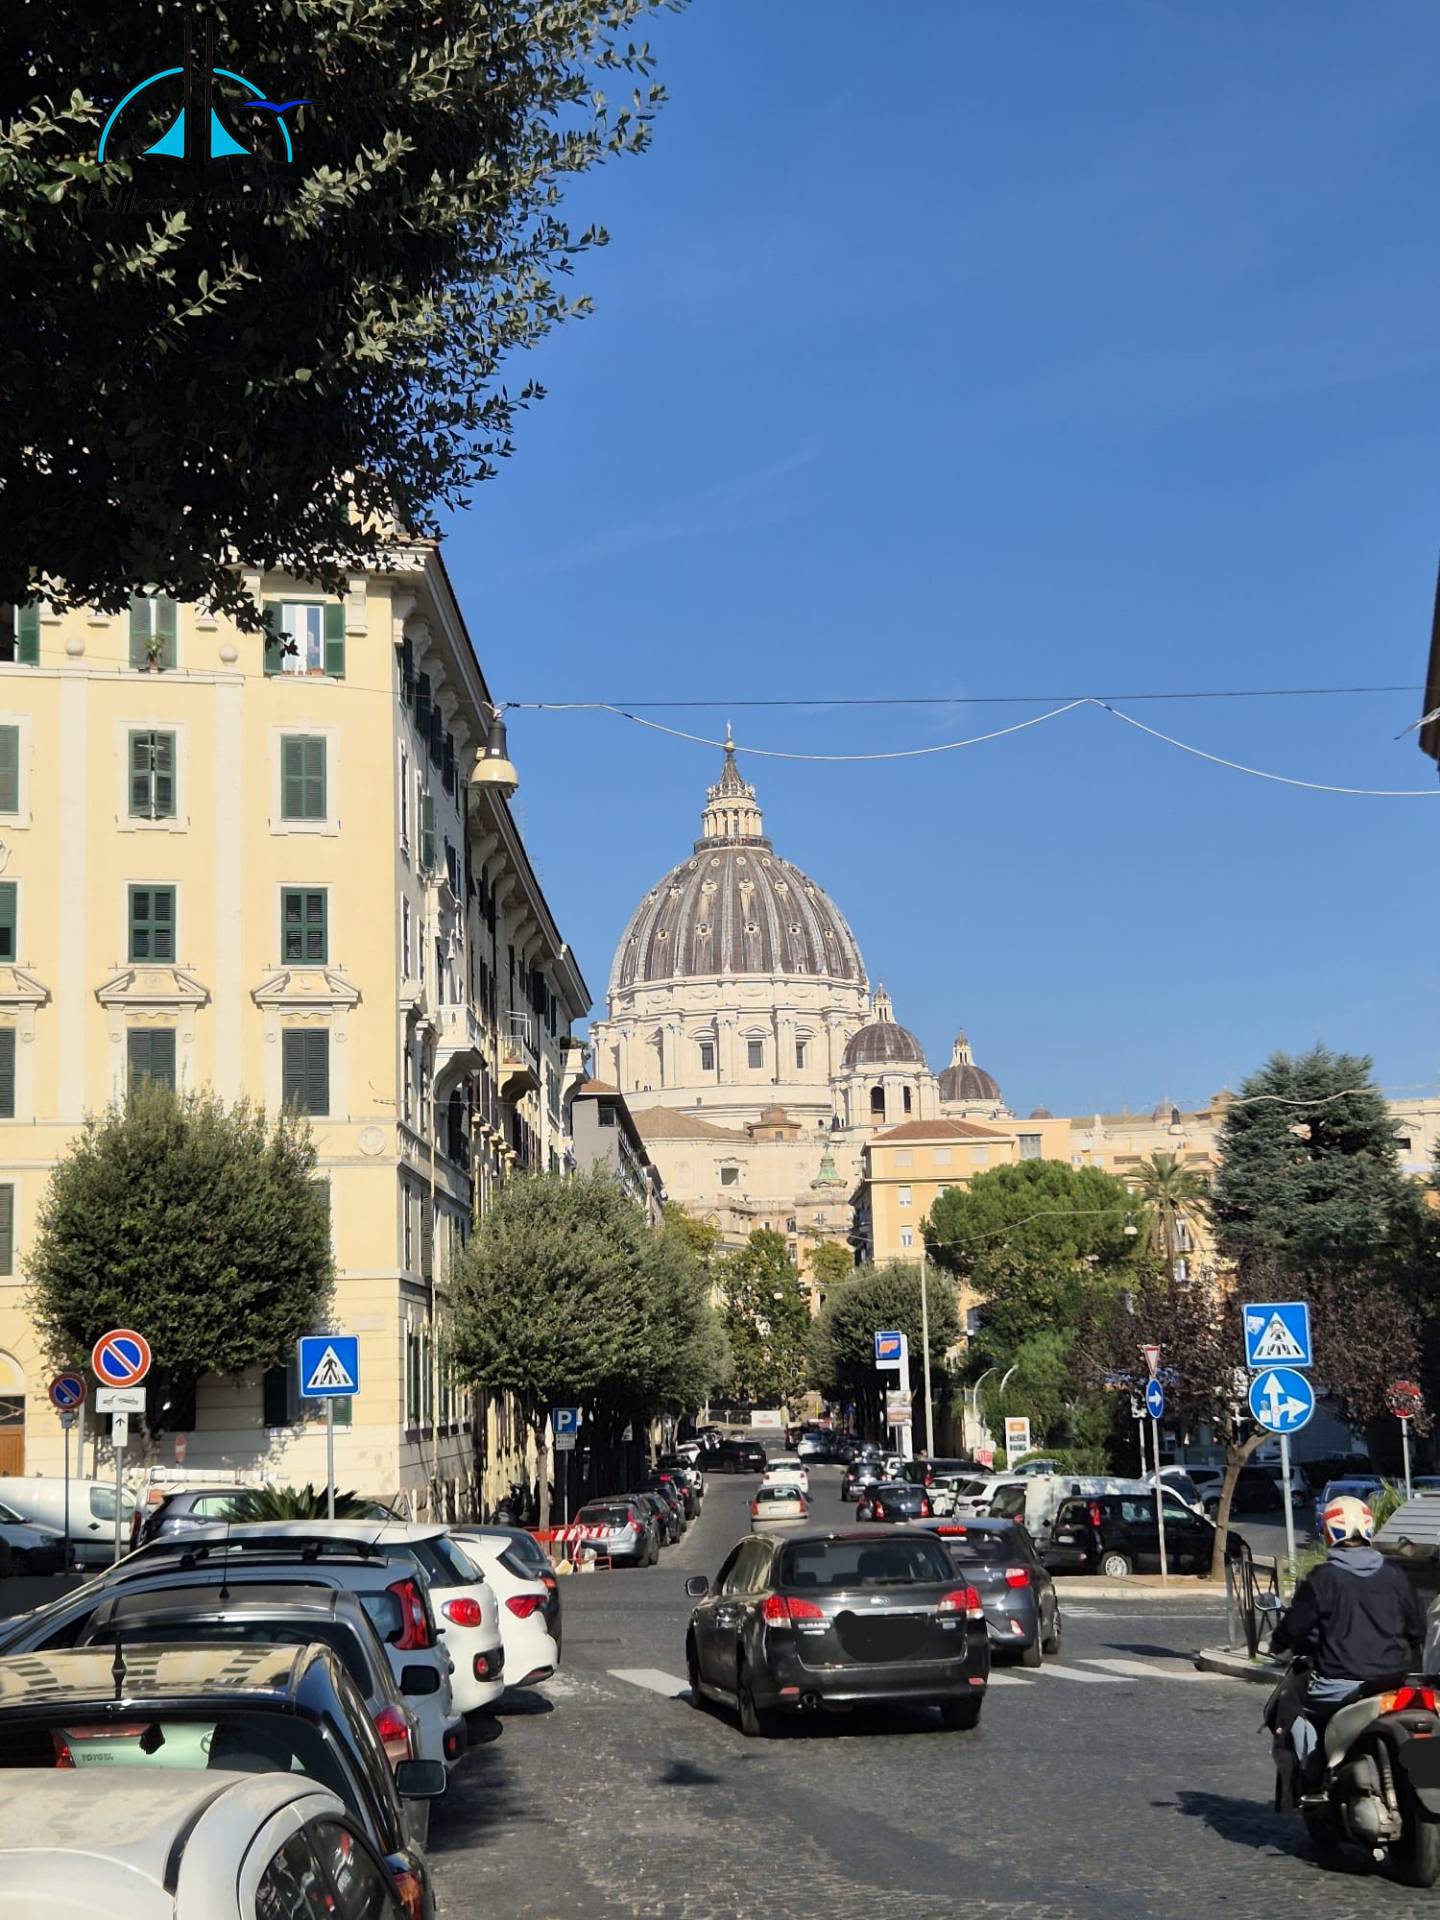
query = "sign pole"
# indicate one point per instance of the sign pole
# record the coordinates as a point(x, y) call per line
point(1289, 1506)
point(1405, 1443)
point(330, 1456)
point(925, 1354)
point(68, 1555)
point(1159, 1499)
point(119, 1452)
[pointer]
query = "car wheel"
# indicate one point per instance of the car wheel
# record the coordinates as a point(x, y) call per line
point(960, 1716)
point(1114, 1566)
point(1051, 1643)
point(754, 1723)
point(1031, 1656)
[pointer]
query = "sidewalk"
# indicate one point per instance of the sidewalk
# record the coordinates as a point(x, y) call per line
point(1139, 1587)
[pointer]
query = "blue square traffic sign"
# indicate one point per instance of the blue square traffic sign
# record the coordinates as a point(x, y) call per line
point(1277, 1333)
point(565, 1419)
point(329, 1366)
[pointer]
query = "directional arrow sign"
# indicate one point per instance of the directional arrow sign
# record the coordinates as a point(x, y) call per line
point(1281, 1400)
point(1154, 1399)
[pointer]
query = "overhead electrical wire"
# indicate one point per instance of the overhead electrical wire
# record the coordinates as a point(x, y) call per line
point(974, 740)
point(985, 699)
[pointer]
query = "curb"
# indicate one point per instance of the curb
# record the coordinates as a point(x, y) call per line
point(1238, 1666)
point(1099, 1588)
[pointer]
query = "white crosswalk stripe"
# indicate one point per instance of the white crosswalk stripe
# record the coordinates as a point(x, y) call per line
point(1153, 1670)
point(652, 1680)
point(1091, 1670)
point(1080, 1673)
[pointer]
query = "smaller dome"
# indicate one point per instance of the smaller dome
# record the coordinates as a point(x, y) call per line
point(882, 1043)
point(962, 1080)
point(1041, 1113)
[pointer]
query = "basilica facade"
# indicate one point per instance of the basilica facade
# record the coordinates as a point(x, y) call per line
point(743, 1031)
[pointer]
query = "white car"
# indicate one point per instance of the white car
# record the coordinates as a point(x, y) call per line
point(785, 1468)
point(531, 1654)
point(690, 1450)
point(779, 1503)
point(184, 1845)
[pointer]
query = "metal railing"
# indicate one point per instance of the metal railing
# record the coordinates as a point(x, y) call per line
point(1246, 1579)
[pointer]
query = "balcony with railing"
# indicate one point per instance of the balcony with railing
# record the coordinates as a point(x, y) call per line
point(519, 1058)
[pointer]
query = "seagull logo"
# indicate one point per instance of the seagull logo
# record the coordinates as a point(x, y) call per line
point(272, 106)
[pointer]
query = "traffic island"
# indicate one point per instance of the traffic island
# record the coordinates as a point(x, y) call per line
point(1140, 1587)
point(1239, 1665)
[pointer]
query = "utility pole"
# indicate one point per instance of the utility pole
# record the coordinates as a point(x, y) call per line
point(925, 1354)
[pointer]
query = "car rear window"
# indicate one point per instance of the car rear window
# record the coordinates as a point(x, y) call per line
point(784, 1495)
point(385, 1614)
point(1008, 1503)
point(607, 1516)
point(833, 1564)
point(446, 1565)
point(231, 1740)
point(1074, 1513)
point(987, 1547)
point(254, 1630)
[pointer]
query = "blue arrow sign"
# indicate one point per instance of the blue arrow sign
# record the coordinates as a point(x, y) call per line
point(1154, 1399)
point(329, 1366)
point(1277, 1334)
point(565, 1419)
point(1281, 1400)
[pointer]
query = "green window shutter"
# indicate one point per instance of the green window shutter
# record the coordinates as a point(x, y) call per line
point(292, 1067)
point(166, 627)
point(304, 933)
point(407, 673)
point(150, 1055)
point(163, 763)
point(315, 779)
point(271, 612)
point(9, 769)
point(335, 639)
point(7, 1073)
point(141, 803)
point(7, 1230)
point(152, 924)
point(302, 778)
point(139, 628)
point(427, 832)
point(27, 633)
point(422, 705)
point(8, 938)
point(305, 1069)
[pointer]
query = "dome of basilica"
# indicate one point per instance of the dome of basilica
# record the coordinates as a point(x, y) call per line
point(882, 1043)
point(735, 907)
point(962, 1080)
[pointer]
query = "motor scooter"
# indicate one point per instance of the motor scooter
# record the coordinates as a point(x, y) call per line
point(1380, 1786)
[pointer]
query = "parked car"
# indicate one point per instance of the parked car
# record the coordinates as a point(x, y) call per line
point(1180, 1484)
point(783, 1503)
point(1116, 1534)
point(891, 1500)
point(272, 1616)
point(822, 1619)
point(465, 1611)
point(669, 1523)
point(1361, 1486)
point(184, 1844)
point(29, 1546)
point(859, 1475)
point(686, 1472)
point(286, 1710)
point(395, 1599)
point(92, 1512)
point(531, 1653)
point(1001, 1561)
point(624, 1530)
point(666, 1480)
point(740, 1456)
point(926, 1471)
point(181, 1509)
point(691, 1450)
point(529, 1558)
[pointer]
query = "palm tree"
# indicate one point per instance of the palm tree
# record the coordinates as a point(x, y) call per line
point(1170, 1193)
point(296, 1503)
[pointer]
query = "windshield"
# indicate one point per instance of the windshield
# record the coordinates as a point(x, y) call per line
point(834, 1564)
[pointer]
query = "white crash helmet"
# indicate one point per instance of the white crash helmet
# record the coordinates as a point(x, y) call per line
point(1347, 1518)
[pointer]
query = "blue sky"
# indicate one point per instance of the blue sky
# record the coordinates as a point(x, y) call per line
point(969, 350)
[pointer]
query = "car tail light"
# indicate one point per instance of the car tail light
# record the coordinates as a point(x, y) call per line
point(924, 1508)
point(408, 1885)
point(522, 1605)
point(962, 1600)
point(63, 1756)
point(550, 1581)
point(754, 1506)
point(394, 1732)
point(465, 1612)
point(778, 1611)
point(415, 1635)
point(1406, 1699)
point(927, 1476)
point(1017, 1576)
point(1096, 1513)
point(949, 1532)
point(877, 1508)
point(481, 1667)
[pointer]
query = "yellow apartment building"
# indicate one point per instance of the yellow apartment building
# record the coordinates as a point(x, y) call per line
point(260, 865)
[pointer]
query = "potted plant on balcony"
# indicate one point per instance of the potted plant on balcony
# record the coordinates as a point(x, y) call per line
point(154, 654)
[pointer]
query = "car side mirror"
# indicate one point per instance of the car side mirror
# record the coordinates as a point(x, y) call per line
point(420, 1779)
point(419, 1679)
point(696, 1587)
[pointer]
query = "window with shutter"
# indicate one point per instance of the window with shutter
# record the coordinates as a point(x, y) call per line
point(153, 626)
point(448, 770)
point(271, 613)
point(9, 769)
point(152, 924)
point(7, 1073)
point(335, 639)
point(437, 737)
point(302, 777)
point(304, 930)
point(152, 776)
point(427, 832)
point(422, 706)
point(305, 1069)
point(7, 1230)
point(20, 634)
point(150, 1055)
point(8, 915)
point(405, 657)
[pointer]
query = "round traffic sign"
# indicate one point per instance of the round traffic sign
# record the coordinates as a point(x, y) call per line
point(1403, 1397)
point(1281, 1400)
point(1154, 1399)
point(67, 1391)
point(120, 1358)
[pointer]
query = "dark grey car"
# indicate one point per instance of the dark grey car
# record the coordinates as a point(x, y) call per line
point(890, 1500)
point(1001, 1561)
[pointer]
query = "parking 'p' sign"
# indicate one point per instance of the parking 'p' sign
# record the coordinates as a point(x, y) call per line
point(120, 1358)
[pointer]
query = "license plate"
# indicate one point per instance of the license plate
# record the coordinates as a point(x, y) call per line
point(1421, 1761)
point(1064, 1539)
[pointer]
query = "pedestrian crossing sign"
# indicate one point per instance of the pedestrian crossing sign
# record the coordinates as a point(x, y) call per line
point(329, 1366)
point(1277, 1332)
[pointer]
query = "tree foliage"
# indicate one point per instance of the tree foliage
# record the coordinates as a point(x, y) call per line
point(203, 1226)
point(1170, 1195)
point(831, 1264)
point(268, 360)
point(766, 1320)
point(881, 1299)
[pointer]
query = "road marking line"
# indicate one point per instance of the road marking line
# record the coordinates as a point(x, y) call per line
point(667, 1685)
point(1150, 1670)
point(1079, 1673)
point(1007, 1680)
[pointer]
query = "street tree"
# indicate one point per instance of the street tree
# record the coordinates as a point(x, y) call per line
point(202, 1225)
point(884, 1299)
point(273, 358)
point(1173, 1198)
point(831, 1264)
point(1033, 1239)
point(547, 1301)
point(766, 1320)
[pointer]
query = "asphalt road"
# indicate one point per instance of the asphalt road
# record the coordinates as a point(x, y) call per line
point(1116, 1782)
